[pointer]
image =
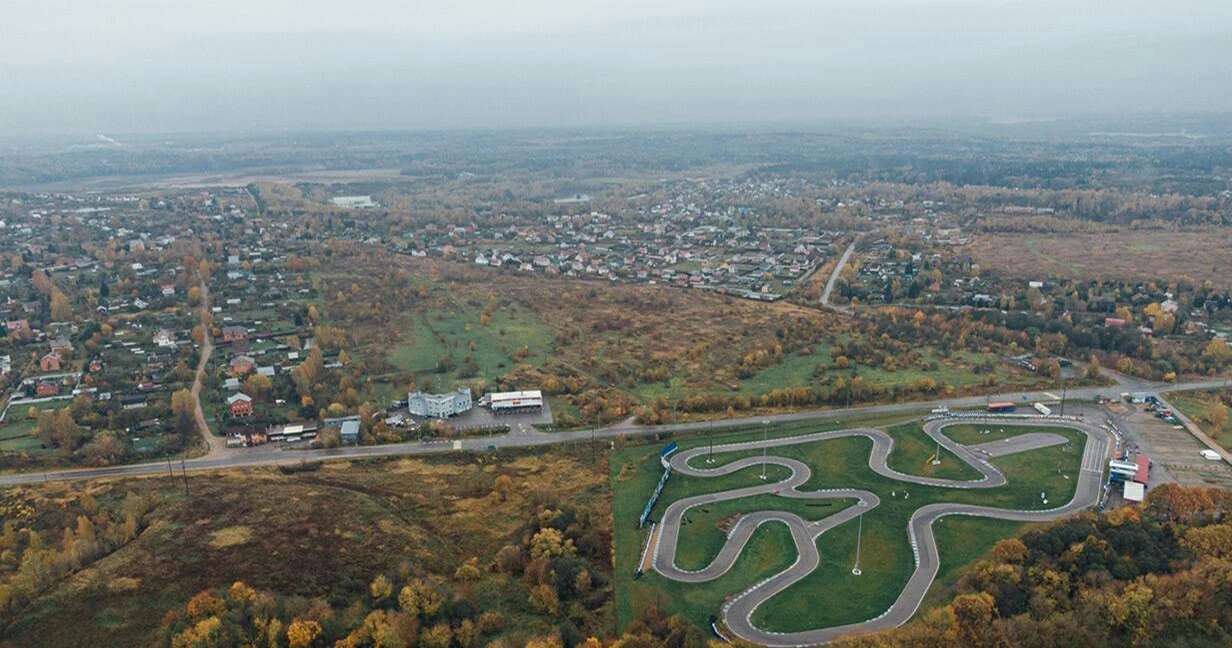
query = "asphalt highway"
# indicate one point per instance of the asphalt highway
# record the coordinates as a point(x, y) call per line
point(737, 613)
point(221, 457)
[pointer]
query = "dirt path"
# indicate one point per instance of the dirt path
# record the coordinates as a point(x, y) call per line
point(838, 268)
point(215, 447)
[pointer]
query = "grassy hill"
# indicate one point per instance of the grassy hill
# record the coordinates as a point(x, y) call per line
point(316, 540)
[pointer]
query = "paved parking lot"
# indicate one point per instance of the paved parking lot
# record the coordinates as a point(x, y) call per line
point(1174, 452)
point(482, 417)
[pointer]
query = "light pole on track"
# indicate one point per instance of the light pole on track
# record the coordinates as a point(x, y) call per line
point(710, 458)
point(859, 532)
point(765, 432)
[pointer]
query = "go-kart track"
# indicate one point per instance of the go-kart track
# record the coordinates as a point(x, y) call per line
point(738, 611)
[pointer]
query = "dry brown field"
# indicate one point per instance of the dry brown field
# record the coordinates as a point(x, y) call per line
point(1143, 254)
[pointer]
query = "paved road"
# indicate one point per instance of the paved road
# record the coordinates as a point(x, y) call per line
point(842, 262)
point(737, 613)
point(1019, 443)
point(272, 455)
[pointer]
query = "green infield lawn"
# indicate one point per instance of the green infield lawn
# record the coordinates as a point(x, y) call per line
point(831, 595)
point(914, 450)
point(704, 528)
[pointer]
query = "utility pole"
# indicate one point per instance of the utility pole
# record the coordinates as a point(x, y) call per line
point(765, 432)
point(859, 532)
point(1063, 388)
point(710, 459)
point(184, 471)
point(593, 431)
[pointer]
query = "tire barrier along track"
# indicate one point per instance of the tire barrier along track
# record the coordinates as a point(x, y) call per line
point(737, 612)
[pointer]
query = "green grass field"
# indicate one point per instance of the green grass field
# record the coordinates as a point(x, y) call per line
point(707, 534)
point(913, 451)
point(831, 595)
point(1194, 405)
point(18, 436)
point(802, 370)
point(16, 428)
point(494, 343)
point(27, 444)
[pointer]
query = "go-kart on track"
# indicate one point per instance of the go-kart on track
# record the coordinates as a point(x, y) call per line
point(737, 613)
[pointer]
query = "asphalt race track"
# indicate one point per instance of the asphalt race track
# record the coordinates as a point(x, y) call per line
point(737, 613)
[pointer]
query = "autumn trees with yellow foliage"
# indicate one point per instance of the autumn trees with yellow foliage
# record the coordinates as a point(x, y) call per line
point(1131, 576)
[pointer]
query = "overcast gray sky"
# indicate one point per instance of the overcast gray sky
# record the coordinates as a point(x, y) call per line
point(218, 65)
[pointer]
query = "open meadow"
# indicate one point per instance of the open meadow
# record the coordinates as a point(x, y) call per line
point(609, 351)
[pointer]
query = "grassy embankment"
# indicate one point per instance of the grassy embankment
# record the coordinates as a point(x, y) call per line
point(1196, 406)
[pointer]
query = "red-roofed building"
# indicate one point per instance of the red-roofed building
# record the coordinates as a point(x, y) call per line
point(240, 404)
point(50, 362)
point(1144, 469)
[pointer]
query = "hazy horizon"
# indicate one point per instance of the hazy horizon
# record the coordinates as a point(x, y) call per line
point(135, 66)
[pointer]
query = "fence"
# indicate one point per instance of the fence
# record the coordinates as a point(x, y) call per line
point(667, 472)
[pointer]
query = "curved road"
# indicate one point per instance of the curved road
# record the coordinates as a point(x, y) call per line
point(213, 445)
point(842, 263)
point(737, 613)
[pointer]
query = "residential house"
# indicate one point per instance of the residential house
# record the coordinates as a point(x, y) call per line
point(242, 364)
point(20, 326)
point(234, 333)
point(47, 388)
point(164, 338)
point(50, 362)
point(240, 404)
